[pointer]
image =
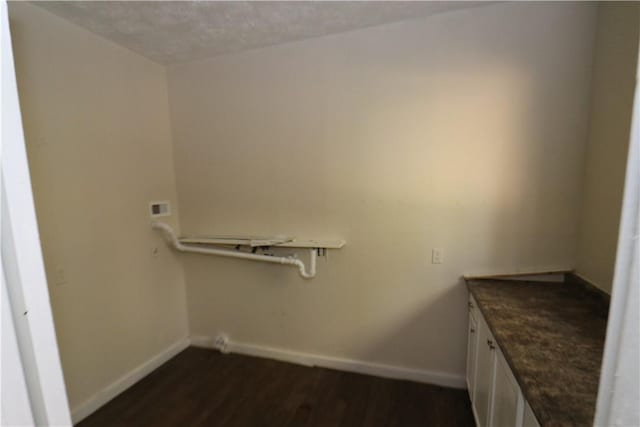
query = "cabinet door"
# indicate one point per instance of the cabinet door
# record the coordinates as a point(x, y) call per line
point(530, 419)
point(507, 399)
point(472, 345)
point(484, 373)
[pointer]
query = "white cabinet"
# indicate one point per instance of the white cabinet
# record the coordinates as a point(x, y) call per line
point(485, 362)
point(472, 345)
point(507, 398)
point(496, 398)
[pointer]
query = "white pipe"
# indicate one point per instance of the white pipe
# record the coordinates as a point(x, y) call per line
point(175, 242)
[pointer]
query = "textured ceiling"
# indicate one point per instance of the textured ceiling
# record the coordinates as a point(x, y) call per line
point(171, 32)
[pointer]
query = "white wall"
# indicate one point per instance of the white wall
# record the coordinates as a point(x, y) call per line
point(613, 86)
point(96, 122)
point(463, 131)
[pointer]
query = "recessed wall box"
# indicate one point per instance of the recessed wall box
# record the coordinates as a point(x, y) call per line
point(158, 209)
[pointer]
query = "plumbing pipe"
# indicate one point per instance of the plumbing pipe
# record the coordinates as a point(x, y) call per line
point(175, 242)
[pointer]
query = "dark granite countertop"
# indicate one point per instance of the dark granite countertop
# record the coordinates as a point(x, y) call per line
point(552, 336)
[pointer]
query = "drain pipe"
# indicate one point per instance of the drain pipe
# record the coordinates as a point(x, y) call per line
point(177, 245)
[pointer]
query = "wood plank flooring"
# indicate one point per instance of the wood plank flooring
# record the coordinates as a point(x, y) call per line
point(201, 387)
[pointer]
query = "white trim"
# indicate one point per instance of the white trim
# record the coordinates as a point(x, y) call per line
point(103, 396)
point(340, 364)
point(619, 389)
point(16, 405)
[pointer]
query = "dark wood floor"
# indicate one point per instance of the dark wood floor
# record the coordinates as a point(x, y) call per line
point(202, 387)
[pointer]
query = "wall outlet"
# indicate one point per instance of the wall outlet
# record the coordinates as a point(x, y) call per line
point(221, 343)
point(437, 256)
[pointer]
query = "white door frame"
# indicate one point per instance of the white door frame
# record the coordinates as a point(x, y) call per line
point(619, 389)
point(16, 405)
point(23, 267)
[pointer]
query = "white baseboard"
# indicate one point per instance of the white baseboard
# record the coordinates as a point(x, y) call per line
point(340, 364)
point(103, 396)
